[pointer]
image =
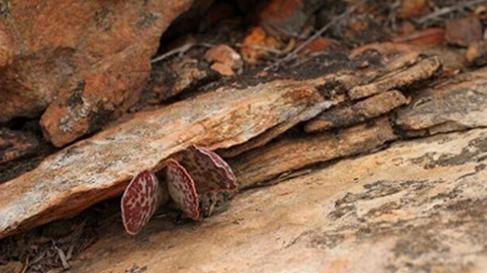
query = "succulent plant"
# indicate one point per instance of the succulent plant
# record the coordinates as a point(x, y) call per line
point(200, 184)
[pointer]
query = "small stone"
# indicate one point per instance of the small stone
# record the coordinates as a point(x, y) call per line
point(462, 32)
point(412, 8)
point(319, 44)
point(257, 44)
point(225, 59)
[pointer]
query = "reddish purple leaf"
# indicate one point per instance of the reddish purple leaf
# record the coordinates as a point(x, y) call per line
point(182, 189)
point(140, 201)
point(209, 170)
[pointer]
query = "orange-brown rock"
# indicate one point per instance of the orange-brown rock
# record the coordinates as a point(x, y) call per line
point(99, 168)
point(48, 45)
point(15, 144)
point(462, 32)
point(103, 93)
point(257, 44)
point(412, 8)
point(224, 59)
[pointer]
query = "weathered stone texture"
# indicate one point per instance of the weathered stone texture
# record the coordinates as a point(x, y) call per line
point(292, 154)
point(422, 70)
point(361, 111)
point(458, 104)
point(172, 78)
point(49, 46)
point(98, 168)
point(418, 206)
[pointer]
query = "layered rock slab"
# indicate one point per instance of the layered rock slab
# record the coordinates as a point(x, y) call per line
point(100, 167)
point(418, 206)
point(292, 154)
point(359, 112)
point(457, 104)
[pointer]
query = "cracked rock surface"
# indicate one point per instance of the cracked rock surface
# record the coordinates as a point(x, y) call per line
point(418, 206)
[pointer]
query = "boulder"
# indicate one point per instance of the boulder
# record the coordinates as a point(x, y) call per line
point(53, 50)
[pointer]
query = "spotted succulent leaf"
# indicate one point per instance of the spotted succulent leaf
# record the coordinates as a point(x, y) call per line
point(182, 189)
point(140, 201)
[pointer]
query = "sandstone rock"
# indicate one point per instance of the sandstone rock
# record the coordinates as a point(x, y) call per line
point(100, 167)
point(418, 206)
point(14, 144)
point(335, 87)
point(100, 95)
point(455, 105)
point(225, 60)
point(49, 44)
point(462, 32)
point(361, 111)
point(273, 132)
point(261, 165)
point(422, 70)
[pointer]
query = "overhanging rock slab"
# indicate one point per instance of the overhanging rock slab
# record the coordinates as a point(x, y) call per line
point(98, 168)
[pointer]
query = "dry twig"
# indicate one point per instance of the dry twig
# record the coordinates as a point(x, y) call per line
point(180, 51)
point(450, 9)
point(62, 257)
point(294, 54)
